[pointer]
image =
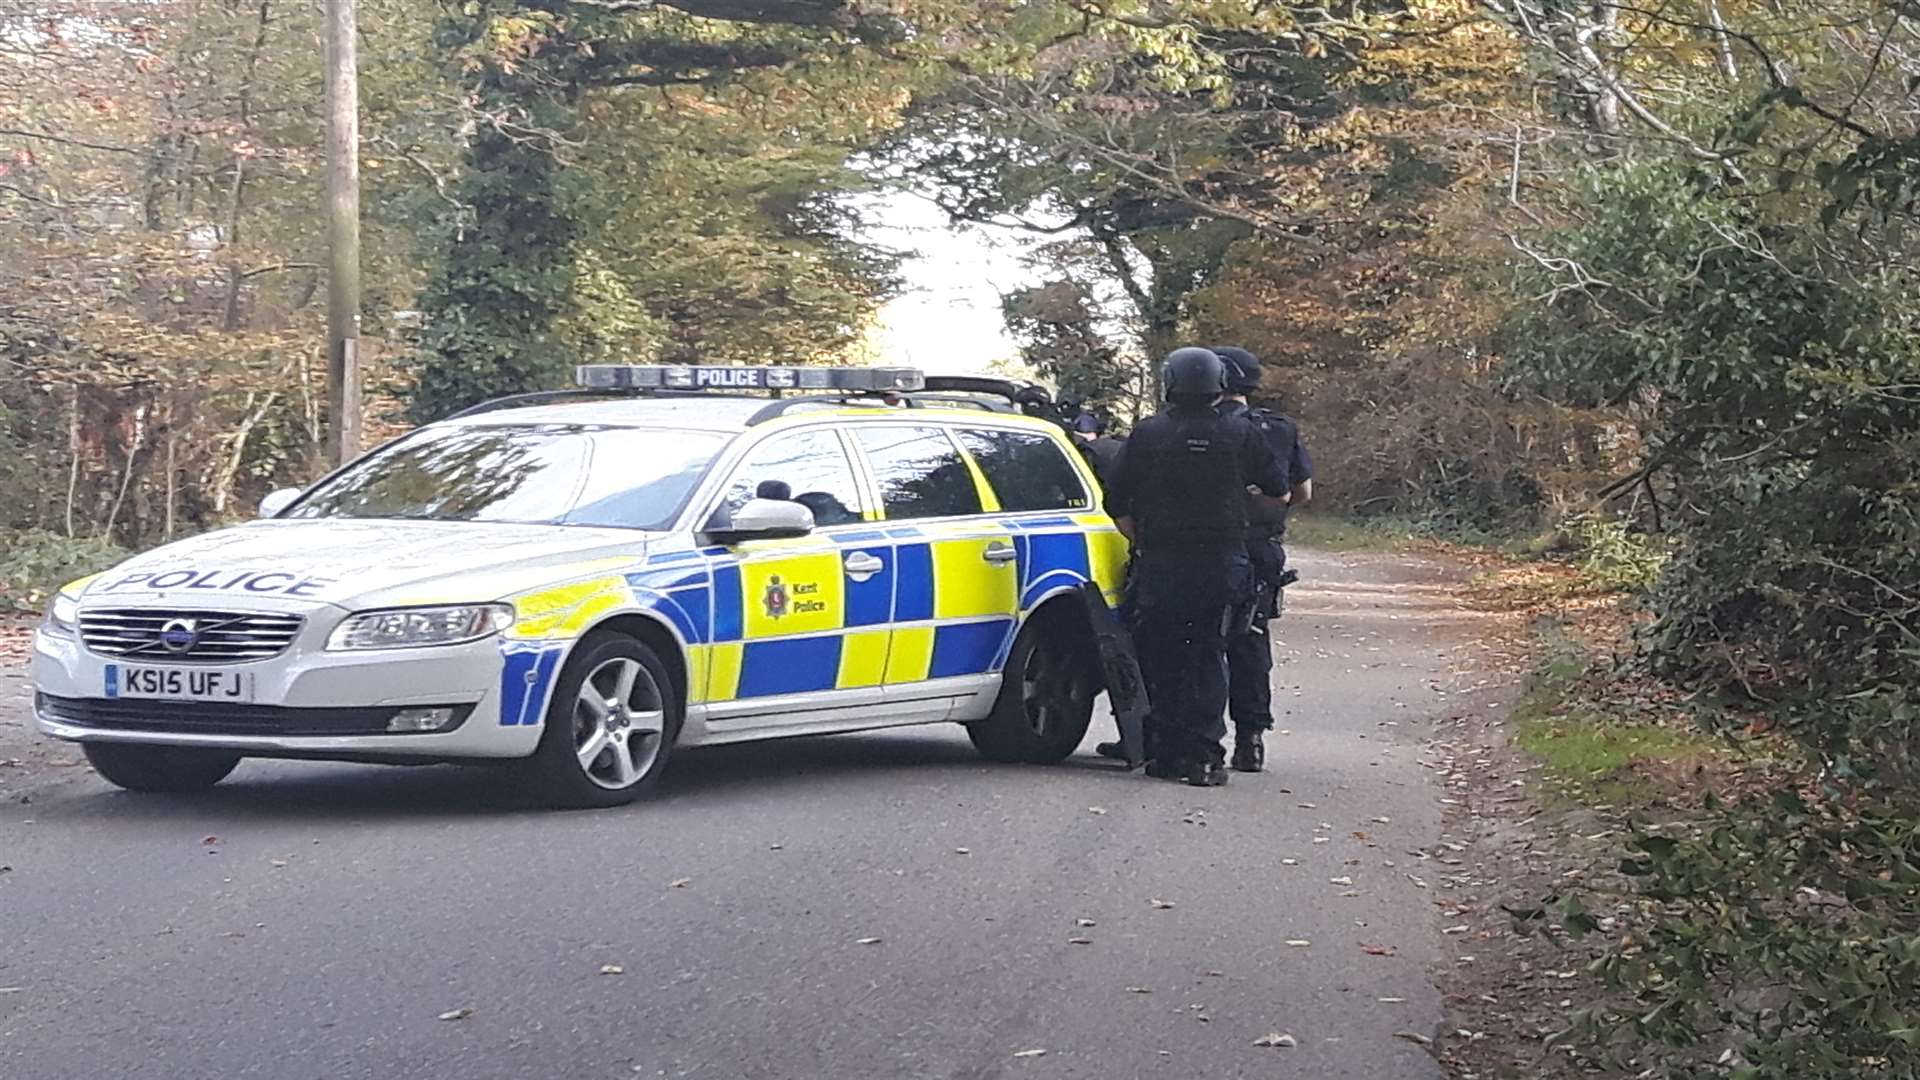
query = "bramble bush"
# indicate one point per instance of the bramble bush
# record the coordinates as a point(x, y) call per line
point(1778, 402)
point(34, 562)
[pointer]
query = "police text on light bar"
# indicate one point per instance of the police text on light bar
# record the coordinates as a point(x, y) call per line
point(730, 377)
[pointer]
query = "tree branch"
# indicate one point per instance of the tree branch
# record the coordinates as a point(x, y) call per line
point(70, 141)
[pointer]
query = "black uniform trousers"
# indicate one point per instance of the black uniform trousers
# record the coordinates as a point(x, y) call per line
point(1182, 597)
point(1250, 655)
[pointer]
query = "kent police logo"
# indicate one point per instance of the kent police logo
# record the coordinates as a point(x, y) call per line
point(776, 598)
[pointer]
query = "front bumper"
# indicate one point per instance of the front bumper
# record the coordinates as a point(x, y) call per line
point(307, 702)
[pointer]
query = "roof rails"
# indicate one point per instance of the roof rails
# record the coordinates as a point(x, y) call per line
point(872, 400)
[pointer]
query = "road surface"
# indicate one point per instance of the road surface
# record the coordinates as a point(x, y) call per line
point(859, 906)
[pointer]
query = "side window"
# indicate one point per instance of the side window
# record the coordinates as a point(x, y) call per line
point(919, 471)
point(807, 467)
point(1028, 471)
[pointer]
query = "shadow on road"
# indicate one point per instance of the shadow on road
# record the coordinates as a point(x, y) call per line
point(269, 791)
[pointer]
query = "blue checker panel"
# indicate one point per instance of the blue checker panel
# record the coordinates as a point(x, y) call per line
point(913, 592)
point(523, 684)
point(1056, 551)
point(726, 602)
point(870, 602)
point(967, 648)
point(789, 666)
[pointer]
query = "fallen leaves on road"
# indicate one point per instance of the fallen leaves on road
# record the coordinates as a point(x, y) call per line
point(1139, 990)
point(612, 969)
point(456, 1014)
point(962, 851)
point(1276, 1039)
point(1379, 950)
point(1031, 1054)
point(1084, 922)
point(1340, 881)
point(11, 989)
point(209, 840)
point(1079, 941)
point(1096, 809)
point(1161, 905)
point(1298, 943)
point(277, 862)
point(1413, 1037)
point(868, 941)
point(1391, 1000)
point(679, 883)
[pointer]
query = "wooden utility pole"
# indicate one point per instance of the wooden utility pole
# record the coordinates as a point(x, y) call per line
point(343, 234)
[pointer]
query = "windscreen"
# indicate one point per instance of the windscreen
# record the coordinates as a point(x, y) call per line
point(549, 474)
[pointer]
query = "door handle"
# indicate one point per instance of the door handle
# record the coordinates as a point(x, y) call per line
point(999, 553)
point(861, 566)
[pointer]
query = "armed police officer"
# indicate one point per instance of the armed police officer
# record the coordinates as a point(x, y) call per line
point(1249, 648)
point(1180, 493)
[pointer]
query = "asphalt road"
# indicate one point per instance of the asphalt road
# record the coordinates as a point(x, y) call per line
point(856, 906)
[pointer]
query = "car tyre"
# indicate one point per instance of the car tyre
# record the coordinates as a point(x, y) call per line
point(610, 727)
point(1046, 697)
point(143, 767)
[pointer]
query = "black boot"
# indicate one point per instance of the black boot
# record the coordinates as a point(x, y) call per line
point(1249, 752)
point(1207, 774)
point(1111, 750)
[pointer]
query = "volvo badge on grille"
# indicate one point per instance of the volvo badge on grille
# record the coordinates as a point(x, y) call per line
point(179, 636)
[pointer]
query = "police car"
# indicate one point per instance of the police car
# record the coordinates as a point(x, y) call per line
point(588, 579)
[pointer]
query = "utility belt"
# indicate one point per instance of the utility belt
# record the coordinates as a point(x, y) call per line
point(1270, 579)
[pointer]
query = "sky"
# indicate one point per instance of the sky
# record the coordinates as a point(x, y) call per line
point(947, 318)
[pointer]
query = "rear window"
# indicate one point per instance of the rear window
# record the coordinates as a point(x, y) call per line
point(919, 471)
point(1027, 470)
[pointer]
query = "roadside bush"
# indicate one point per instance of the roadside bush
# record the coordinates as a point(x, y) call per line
point(1776, 390)
point(35, 562)
point(1786, 946)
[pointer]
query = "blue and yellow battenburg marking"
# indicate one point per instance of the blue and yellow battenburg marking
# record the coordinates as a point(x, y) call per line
point(791, 616)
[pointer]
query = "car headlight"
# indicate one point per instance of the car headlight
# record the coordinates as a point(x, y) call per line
point(62, 612)
point(408, 628)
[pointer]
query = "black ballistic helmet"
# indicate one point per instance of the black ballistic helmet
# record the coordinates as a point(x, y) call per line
point(1194, 372)
point(1243, 369)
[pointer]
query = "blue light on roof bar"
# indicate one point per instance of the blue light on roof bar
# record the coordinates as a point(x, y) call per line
point(730, 377)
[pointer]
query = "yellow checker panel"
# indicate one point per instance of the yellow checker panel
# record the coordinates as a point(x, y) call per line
point(723, 671)
point(1107, 557)
point(863, 659)
point(911, 655)
point(697, 665)
point(793, 594)
point(566, 611)
point(966, 585)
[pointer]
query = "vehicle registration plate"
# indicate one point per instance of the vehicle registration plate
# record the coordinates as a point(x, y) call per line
point(198, 684)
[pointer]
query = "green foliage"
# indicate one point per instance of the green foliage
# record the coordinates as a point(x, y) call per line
point(1774, 383)
point(1786, 946)
point(1784, 420)
point(35, 562)
point(1612, 556)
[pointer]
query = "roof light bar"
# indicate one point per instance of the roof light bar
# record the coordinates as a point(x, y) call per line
point(733, 377)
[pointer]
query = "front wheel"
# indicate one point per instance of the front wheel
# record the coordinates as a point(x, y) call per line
point(1046, 697)
point(610, 726)
point(139, 767)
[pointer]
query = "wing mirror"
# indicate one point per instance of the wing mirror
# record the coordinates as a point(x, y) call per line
point(761, 519)
point(277, 501)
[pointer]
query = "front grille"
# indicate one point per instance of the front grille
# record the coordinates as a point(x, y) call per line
point(137, 633)
point(209, 718)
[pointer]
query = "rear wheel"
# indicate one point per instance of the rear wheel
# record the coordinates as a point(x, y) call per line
point(1046, 697)
point(610, 727)
point(139, 767)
